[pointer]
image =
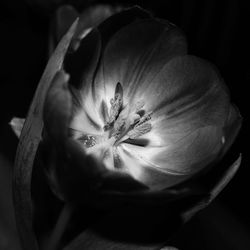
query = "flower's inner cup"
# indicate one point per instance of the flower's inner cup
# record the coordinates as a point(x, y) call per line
point(122, 123)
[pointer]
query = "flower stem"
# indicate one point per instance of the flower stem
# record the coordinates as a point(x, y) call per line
point(60, 227)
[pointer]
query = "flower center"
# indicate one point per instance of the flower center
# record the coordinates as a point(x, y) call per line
point(122, 123)
point(126, 122)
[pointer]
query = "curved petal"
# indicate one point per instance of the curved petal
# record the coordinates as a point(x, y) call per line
point(28, 144)
point(116, 22)
point(58, 107)
point(135, 54)
point(81, 65)
point(94, 15)
point(182, 156)
point(186, 95)
point(216, 182)
point(187, 85)
point(232, 127)
point(64, 17)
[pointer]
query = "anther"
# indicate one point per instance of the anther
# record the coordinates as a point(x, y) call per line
point(88, 140)
point(116, 105)
point(139, 130)
point(144, 119)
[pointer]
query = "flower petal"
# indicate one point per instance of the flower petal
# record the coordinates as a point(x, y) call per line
point(28, 144)
point(113, 24)
point(188, 94)
point(64, 17)
point(187, 85)
point(216, 180)
point(82, 64)
point(94, 15)
point(232, 127)
point(58, 107)
point(136, 53)
point(181, 157)
point(17, 125)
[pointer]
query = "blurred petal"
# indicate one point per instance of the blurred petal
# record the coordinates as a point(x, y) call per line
point(58, 107)
point(225, 179)
point(65, 16)
point(168, 248)
point(89, 18)
point(216, 188)
point(82, 62)
point(93, 16)
point(8, 231)
point(27, 148)
point(17, 125)
point(112, 25)
point(121, 182)
point(232, 127)
point(78, 174)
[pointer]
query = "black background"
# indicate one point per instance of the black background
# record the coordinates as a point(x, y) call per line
point(216, 30)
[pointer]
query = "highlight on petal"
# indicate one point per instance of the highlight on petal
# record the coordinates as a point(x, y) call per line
point(17, 125)
point(179, 159)
point(134, 62)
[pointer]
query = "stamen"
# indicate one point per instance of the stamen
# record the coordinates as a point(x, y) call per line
point(139, 130)
point(88, 140)
point(116, 158)
point(139, 105)
point(116, 105)
point(119, 127)
point(104, 111)
point(144, 119)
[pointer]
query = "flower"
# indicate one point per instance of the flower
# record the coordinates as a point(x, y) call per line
point(140, 105)
point(129, 118)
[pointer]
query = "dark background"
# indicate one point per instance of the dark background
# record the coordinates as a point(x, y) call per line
point(216, 30)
